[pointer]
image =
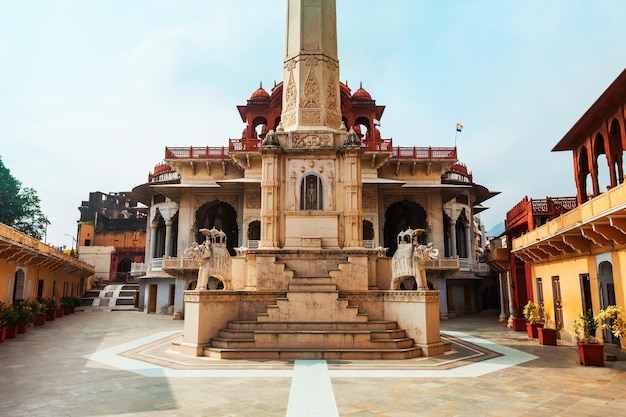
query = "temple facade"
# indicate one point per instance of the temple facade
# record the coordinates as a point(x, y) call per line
point(311, 204)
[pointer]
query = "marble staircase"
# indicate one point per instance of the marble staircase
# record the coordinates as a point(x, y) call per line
point(312, 322)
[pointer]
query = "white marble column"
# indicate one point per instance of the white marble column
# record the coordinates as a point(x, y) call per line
point(453, 238)
point(153, 239)
point(168, 238)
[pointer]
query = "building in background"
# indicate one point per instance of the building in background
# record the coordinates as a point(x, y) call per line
point(576, 261)
point(111, 235)
point(30, 269)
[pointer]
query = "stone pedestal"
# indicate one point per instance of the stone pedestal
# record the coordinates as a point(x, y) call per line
point(417, 312)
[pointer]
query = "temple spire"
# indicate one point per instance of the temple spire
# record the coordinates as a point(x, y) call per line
point(311, 98)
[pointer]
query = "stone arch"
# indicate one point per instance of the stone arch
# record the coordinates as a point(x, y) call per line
point(19, 287)
point(123, 269)
point(254, 233)
point(461, 236)
point(259, 126)
point(447, 239)
point(362, 126)
point(368, 230)
point(221, 216)
point(311, 192)
point(254, 230)
point(400, 216)
point(159, 234)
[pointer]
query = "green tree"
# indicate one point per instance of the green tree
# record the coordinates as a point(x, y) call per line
point(20, 207)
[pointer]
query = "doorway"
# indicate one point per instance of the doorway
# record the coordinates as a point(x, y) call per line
point(152, 298)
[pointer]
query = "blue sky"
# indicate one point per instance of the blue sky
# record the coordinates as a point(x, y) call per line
point(91, 92)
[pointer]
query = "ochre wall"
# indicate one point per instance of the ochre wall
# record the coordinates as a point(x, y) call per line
point(569, 271)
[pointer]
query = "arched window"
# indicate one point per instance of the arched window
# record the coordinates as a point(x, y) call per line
point(311, 193)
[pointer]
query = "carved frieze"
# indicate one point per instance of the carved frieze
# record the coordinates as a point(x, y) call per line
point(312, 140)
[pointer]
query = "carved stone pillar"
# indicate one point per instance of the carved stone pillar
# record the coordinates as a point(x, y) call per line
point(353, 190)
point(270, 197)
point(501, 284)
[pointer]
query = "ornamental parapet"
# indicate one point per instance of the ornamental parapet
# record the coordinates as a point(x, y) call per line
point(406, 296)
point(268, 297)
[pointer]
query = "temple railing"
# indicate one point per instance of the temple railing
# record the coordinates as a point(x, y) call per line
point(196, 152)
point(252, 145)
point(423, 153)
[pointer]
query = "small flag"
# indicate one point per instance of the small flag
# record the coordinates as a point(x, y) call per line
point(459, 127)
point(376, 122)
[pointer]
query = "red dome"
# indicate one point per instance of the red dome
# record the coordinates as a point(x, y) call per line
point(361, 94)
point(260, 95)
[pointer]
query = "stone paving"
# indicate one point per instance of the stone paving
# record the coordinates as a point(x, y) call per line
point(117, 363)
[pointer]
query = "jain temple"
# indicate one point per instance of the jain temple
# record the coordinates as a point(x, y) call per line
point(311, 236)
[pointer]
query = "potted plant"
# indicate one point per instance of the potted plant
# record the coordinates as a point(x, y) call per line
point(517, 323)
point(51, 307)
point(547, 333)
point(67, 303)
point(612, 318)
point(39, 316)
point(12, 321)
point(531, 314)
point(590, 352)
point(3, 322)
point(24, 315)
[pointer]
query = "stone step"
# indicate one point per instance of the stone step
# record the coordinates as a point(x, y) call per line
point(327, 354)
point(376, 334)
point(372, 325)
point(291, 311)
point(330, 286)
point(292, 339)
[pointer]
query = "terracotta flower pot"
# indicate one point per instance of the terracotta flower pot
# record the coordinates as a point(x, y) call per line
point(3, 334)
point(532, 330)
point(50, 316)
point(12, 330)
point(22, 328)
point(591, 354)
point(59, 313)
point(518, 324)
point(546, 336)
point(39, 319)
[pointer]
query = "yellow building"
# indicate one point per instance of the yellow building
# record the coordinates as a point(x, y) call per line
point(29, 269)
point(578, 260)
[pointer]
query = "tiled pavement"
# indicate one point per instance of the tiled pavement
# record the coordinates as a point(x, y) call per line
point(119, 364)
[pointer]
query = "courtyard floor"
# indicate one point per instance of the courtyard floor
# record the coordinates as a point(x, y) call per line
point(119, 363)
